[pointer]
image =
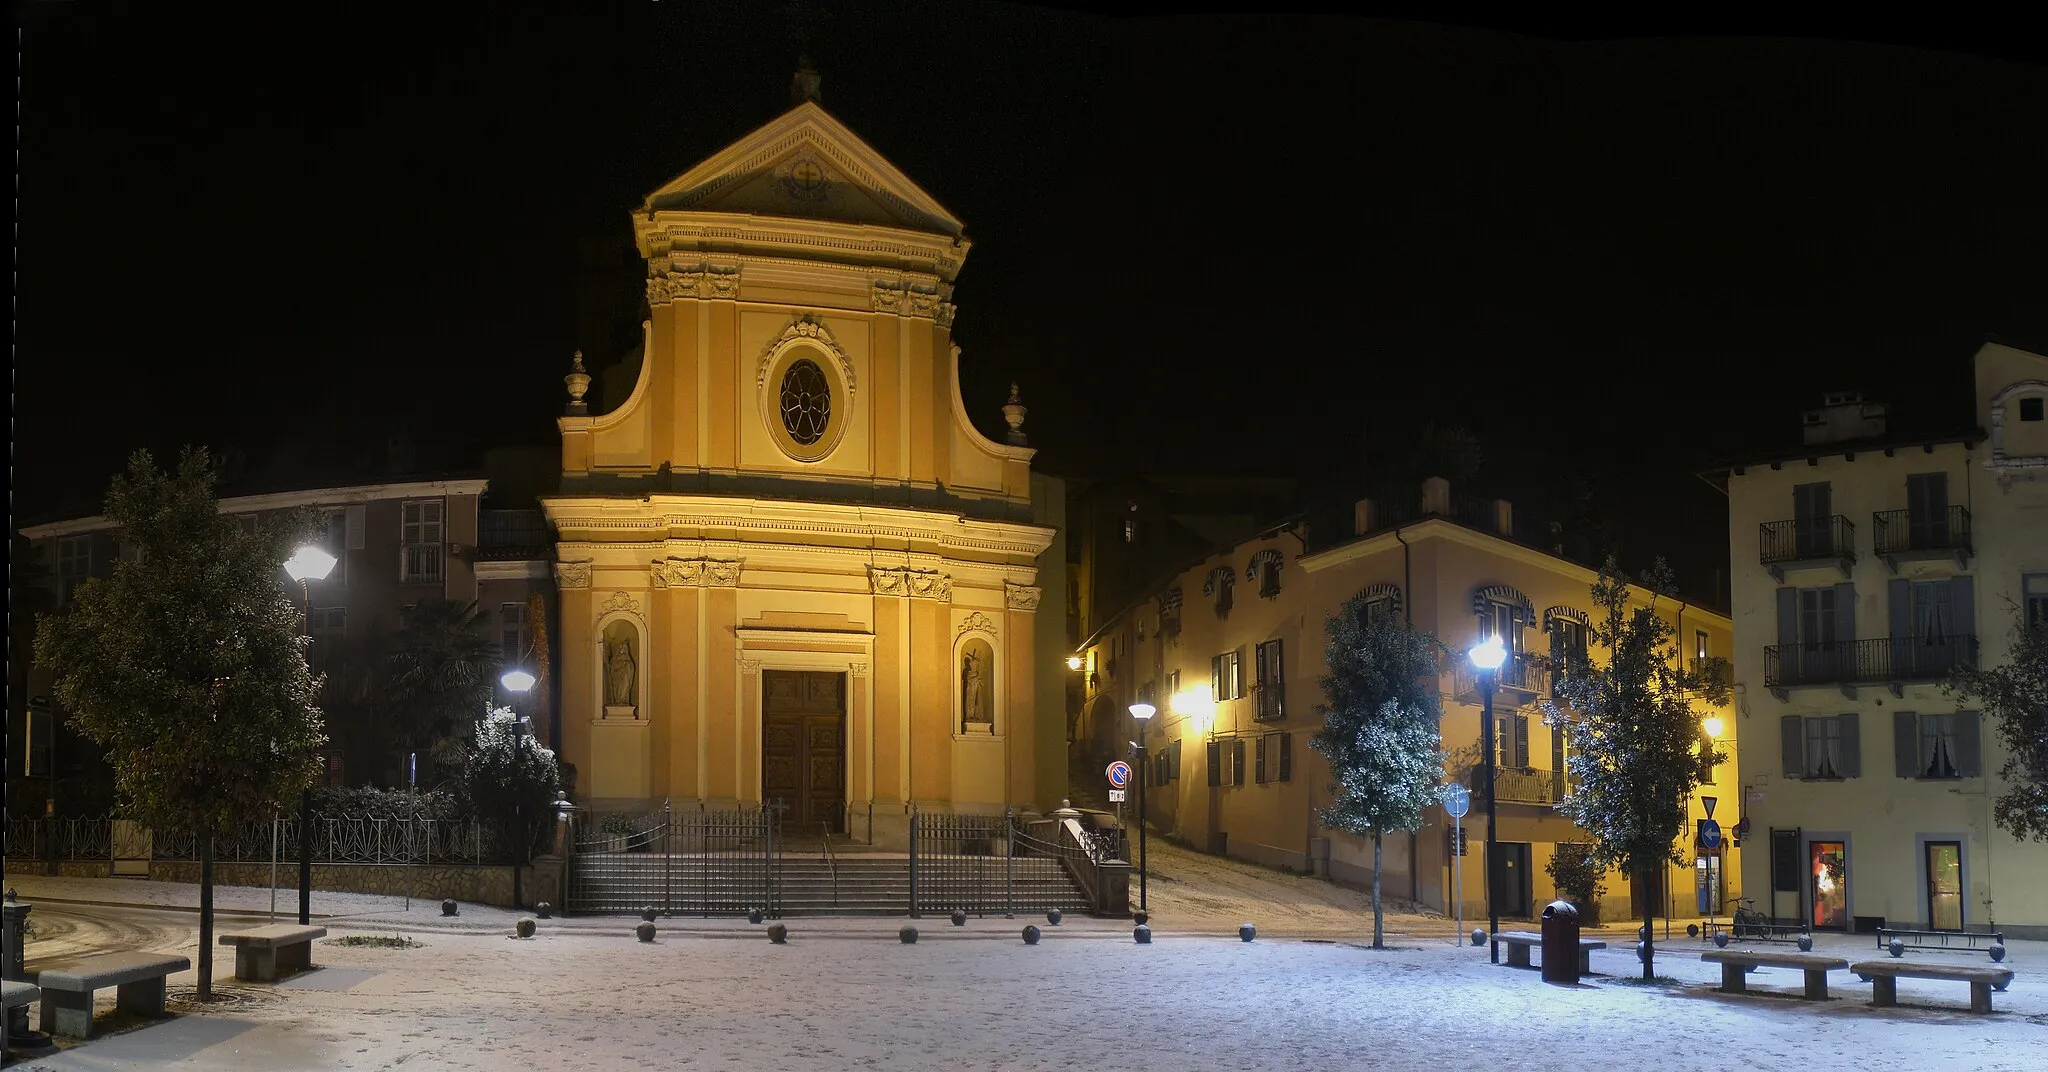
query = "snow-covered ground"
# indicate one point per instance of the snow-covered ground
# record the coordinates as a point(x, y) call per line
point(846, 994)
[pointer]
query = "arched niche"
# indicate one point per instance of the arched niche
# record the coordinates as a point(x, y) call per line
point(621, 654)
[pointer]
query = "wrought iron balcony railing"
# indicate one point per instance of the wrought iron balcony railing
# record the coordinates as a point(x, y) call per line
point(1921, 533)
point(1518, 785)
point(1882, 661)
point(1519, 680)
point(1807, 541)
point(1270, 702)
point(420, 563)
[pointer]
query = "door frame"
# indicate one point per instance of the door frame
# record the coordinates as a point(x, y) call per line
point(1924, 903)
point(1523, 853)
point(1807, 838)
point(802, 720)
point(853, 657)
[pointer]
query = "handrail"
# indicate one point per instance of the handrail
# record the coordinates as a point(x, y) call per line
point(831, 864)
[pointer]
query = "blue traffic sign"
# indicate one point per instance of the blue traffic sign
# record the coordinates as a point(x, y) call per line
point(1457, 801)
point(1119, 774)
point(1710, 833)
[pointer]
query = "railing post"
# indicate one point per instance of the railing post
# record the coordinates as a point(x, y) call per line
point(913, 859)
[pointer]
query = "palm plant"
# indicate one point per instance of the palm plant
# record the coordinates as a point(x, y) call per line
point(440, 670)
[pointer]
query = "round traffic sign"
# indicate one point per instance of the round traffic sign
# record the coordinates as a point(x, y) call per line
point(1457, 801)
point(1710, 833)
point(1119, 774)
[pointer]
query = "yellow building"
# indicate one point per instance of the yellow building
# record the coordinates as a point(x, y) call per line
point(1866, 566)
point(790, 567)
point(1244, 630)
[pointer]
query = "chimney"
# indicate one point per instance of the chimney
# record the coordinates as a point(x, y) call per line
point(1362, 517)
point(1504, 517)
point(1436, 497)
point(1843, 416)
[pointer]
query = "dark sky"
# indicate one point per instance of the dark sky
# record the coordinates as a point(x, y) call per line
point(1241, 244)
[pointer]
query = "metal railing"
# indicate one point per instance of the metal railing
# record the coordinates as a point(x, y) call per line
point(1899, 531)
point(1269, 702)
point(692, 860)
point(962, 862)
point(74, 839)
point(506, 534)
point(420, 563)
point(1867, 662)
point(338, 839)
point(1521, 672)
point(1932, 941)
point(1806, 539)
point(1518, 785)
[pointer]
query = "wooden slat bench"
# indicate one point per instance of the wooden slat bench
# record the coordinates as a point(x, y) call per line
point(1518, 943)
point(1884, 976)
point(1736, 964)
point(261, 953)
point(68, 988)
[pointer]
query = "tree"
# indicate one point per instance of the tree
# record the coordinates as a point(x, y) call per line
point(512, 777)
point(2016, 697)
point(1380, 730)
point(1636, 751)
point(441, 668)
point(188, 665)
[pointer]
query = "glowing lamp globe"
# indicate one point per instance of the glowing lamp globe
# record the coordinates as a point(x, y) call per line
point(1489, 654)
point(517, 680)
point(1143, 711)
point(1713, 725)
point(1073, 662)
point(309, 563)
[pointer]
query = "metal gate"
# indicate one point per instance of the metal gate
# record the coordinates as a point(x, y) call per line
point(133, 846)
point(690, 861)
point(985, 864)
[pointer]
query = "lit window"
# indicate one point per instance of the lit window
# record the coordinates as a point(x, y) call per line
point(1699, 646)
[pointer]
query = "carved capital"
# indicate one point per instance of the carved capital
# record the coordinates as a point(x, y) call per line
point(857, 669)
point(722, 280)
point(906, 583)
point(886, 297)
point(572, 574)
point(922, 303)
point(1021, 596)
point(945, 314)
point(669, 284)
point(888, 581)
point(696, 573)
point(749, 666)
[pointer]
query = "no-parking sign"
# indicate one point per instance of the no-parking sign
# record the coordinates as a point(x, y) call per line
point(1119, 774)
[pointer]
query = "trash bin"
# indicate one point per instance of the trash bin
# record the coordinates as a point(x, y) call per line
point(1561, 942)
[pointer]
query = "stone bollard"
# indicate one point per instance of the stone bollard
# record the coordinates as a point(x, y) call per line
point(645, 930)
point(1997, 951)
point(1246, 932)
point(1806, 943)
point(1643, 952)
point(1898, 946)
point(1720, 939)
point(523, 928)
point(755, 916)
point(1141, 916)
point(908, 935)
point(1141, 934)
point(1053, 917)
point(778, 933)
point(648, 913)
point(448, 907)
point(545, 910)
point(959, 918)
point(1030, 935)
point(1479, 936)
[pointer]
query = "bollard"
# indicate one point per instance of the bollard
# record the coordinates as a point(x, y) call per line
point(1246, 932)
point(1478, 936)
point(1030, 935)
point(1053, 917)
point(1898, 946)
point(778, 933)
point(1142, 934)
point(1643, 952)
point(908, 935)
point(755, 916)
point(448, 907)
point(1806, 943)
point(1997, 951)
point(959, 918)
point(523, 928)
point(1141, 916)
point(545, 910)
point(1692, 930)
point(647, 913)
point(1720, 939)
point(645, 931)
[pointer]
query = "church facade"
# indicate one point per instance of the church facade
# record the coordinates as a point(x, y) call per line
point(790, 567)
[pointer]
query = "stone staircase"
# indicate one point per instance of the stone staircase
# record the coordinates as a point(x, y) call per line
point(812, 885)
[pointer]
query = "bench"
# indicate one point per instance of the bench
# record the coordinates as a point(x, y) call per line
point(260, 953)
point(1736, 964)
point(1884, 976)
point(68, 988)
point(1518, 943)
point(14, 995)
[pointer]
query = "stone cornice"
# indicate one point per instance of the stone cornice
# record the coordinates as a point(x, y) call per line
point(676, 237)
point(650, 519)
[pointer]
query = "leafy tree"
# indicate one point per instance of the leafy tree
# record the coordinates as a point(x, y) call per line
point(511, 778)
point(2016, 697)
point(440, 669)
point(1380, 730)
point(1572, 868)
point(189, 666)
point(1635, 737)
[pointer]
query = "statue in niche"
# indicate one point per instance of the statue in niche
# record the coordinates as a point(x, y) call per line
point(975, 714)
point(621, 673)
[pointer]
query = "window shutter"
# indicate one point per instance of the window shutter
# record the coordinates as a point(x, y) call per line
point(1237, 760)
point(1215, 763)
point(1788, 621)
point(1262, 760)
point(1852, 747)
point(1906, 743)
point(1286, 757)
point(1792, 738)
point(1845, 622)
point(1899, 594)
point(1216, 680)
point(1962, 602)
point(1969, 761)
point(1521, 740)
point(358, 520)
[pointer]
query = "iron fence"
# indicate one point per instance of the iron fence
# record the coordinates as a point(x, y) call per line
point(1867, 662)
point(74, 839)
point(338, 839)
point(962, 862)
point(1806, 539)
point(691, 860)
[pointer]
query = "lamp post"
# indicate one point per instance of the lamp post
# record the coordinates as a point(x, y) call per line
point(517, 682)
point(309, 563)
point(1141, 713)
point(1487, 657)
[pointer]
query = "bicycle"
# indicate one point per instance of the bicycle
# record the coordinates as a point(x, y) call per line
point(1745, 921)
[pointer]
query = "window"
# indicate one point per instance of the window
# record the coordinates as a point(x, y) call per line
point(1927, 509)
point(1706, 756)
point(1172, 757)
point(420, 538)
point(1821, 746)
point(1276, 758)
point(327, 625)
point(1502, 620)
point(1272, 682)
point(2034, 594)
point(511, 633)
point(1226, 682)
point(1172, 686)
point(806, 402)
point(2030, 408)
point(1378, 610)
point(1812, 511)
point(1699, 646)
point(1933, 613)
point(1511, 740)
point(249, 522)
point(74, 565)
point(1567, 641)
point(332, 776)
point(1817, 619)
point(1226, 762)
point(334, 540)
point(1937, 746)
point(1236, 751)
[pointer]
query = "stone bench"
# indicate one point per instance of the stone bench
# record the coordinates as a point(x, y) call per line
point(1736, 964)
point(14, 995)
point(1518, 943)
point(68, 988)
point(261, 953)
point(1884, 976)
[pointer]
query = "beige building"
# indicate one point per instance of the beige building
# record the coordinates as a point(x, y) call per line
point(790, 567)
point(1231, 654)
point(1866, 566)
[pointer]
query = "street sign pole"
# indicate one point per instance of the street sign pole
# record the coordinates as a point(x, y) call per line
point(1458, 876)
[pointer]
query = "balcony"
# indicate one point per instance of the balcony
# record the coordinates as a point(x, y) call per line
point(420, 563)
point(1520, 681)
point(1847, 665)
point(514, 535)
point(1910, 535)
point(1807, 543)
point(1518, 785)
point(1269, 703)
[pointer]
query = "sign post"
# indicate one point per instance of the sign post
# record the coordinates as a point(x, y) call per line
point(1119, 774)
point(1458, 801)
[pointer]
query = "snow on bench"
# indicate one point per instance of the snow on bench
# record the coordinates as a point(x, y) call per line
point(68, 988)
point(1884, 976)
point(1518, 943)
point(14, 995)
point(1737, 963)
point(261, 952)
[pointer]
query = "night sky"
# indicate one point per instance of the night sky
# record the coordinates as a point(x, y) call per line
point(1202, 243)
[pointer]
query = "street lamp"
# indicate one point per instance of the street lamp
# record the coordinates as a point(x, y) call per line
point(1073, 662)
point(1713, 725)
point(1487, 657)
point(309, 563)
point(517, 682)
point(1142, 712)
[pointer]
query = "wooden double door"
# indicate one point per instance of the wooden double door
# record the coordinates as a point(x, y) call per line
point(803, 748)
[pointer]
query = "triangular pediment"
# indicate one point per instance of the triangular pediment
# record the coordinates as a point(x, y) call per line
point(806, 164)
